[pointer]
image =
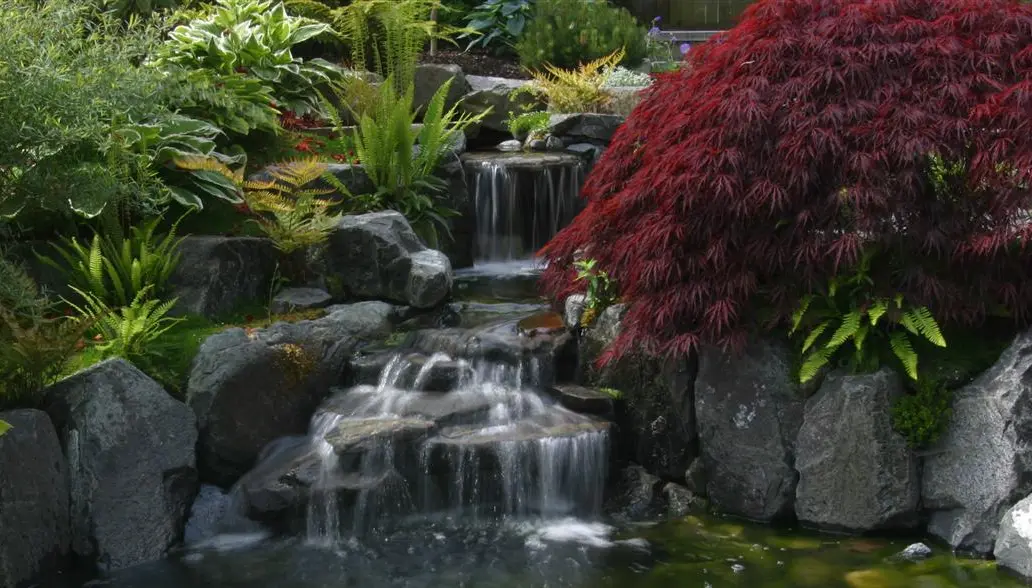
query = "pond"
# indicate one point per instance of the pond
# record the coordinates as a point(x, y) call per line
point(460, 552)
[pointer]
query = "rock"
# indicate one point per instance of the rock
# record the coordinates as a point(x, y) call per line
point(553, 143)
point(983, 463)
point(430, 77)
point(748, 412)
point(459, 248)
point(580, 127)
point(249, 387)
point(680, 500)
point(915, 552)
point(635, 495)
point(130, 449)
point(573, 309)
point(216, 275)
point(695, 477)
point(535, 144)
point(360, 435)
point(353, 177)
point(377, 255)
point(459, 143)
point(295, 299)
point(496, 94)
point(584, 400)
point(856, 473)
point(1013, 549)
point(34, 529)
point(510, 145)
point(588, 151)
point(624, 99)
point(660, 424)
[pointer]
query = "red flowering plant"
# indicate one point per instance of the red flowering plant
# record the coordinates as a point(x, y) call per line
point(793, 145)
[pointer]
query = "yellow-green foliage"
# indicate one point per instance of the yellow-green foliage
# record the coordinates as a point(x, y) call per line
point(296, 363)
point(4, 427)
point(291, 212)
point(600, 292)
point(848, 316)
point(578, 90)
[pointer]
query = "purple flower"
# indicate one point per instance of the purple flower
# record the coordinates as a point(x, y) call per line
point(685, 48)
point(653, 31)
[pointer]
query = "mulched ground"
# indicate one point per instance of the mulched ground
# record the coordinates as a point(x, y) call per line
point(477, 64)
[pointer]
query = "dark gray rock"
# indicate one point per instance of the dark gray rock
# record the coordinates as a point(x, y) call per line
point(216, 275)
point(1013, 549)
point(430, 77)
point(695, 477)
point(585, 127)
point(249, 387)
point(35, 535)
point(588, 151)
point(584, 400)
point(748, 410)
point(360, 435)
point(856, 473)
point(419, 374)
point(295, 299)
point(636, 495)
point(130, 449)
point(496, 94)
point(534, 144)
point(679, 500)
point(659, 428)
point(553, 143)
point(377, 255)
point(983, 464)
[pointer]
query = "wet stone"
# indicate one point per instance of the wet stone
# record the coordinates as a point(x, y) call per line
point(583, 399)
point(361, 435)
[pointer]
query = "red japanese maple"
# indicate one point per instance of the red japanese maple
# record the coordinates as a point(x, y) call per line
point(800, 138)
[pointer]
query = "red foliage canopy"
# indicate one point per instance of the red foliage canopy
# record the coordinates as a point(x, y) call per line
point(801, 137)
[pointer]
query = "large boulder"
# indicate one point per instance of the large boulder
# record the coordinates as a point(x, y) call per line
point(377, 255)
point(249, 387)
point(983, 464)
point(430, 77)
point(130, 449)
point(856, 473)
point(1013, 549)
point(748, 411)
point(216, 275)
point(659, 424)
point(497, 95)
point(34, 529)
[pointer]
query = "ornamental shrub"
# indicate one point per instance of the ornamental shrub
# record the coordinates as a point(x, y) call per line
point(812, 132)
point(568, 33)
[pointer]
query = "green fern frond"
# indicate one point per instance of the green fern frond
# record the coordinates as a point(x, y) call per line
point(920, 321)
point(877, 310)
point(904, 351)
point(797, 316)
point(850, 325)
point(814, 334)
point(813, 363)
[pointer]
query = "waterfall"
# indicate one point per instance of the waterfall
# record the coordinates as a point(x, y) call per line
point(491, 446)
point(521, 201)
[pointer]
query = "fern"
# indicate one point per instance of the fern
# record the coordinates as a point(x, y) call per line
point(854, 317)
point(579, 90)
point(291, 211)
point(126, 331)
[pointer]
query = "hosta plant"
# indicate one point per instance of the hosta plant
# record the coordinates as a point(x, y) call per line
point(497, 24)
point(256, 38)
point(847, 324)
point(809, 133)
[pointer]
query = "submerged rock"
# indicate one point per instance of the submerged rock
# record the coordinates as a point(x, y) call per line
point(983, 464)
point(749, 411)
point(636, 494)
point(1013, 549)
point(130, 449)
point(249, 387)
point(35, 535)
point(680, 500)
point(584, 400)
point(215, 275)
point(915, 552)
point(377, 255)
point(421, 373)
point(856, 473)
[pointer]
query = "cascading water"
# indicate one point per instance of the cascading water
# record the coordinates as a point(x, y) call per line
point(491, 446)
point(521, 201)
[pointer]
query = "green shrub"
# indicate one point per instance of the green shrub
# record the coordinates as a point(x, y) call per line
point(68, 79)
point(923, 416)
point(528, 123)
point(568, 33)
